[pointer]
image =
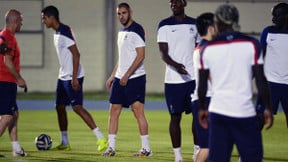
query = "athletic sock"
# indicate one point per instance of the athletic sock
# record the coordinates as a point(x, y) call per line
point(64, 136)
point(16, 146)
point(145, 142)
point(177, 153)
point(97, 132)
point(112, 140)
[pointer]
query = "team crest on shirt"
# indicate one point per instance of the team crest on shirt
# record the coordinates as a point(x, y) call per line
point(229, 37)
point(191, 30)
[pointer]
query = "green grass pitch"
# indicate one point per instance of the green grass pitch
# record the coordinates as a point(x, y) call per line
point(83, 142)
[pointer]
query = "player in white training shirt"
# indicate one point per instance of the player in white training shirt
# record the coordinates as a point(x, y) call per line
point(127, 83)
point(274, 44)
point(230, 61)
point(70, 79)
point(177, 38)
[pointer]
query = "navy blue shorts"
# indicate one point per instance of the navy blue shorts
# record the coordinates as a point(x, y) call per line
point(126, 95)
point(279, 94)
point(225, 131)
point(178, 97)
point(8, 98)
point(65, 95)
point(202, 133)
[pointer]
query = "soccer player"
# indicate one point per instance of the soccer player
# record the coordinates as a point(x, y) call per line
point(230, 61)
point(273, 41)
point(10, 77)
point(177, 38)
point(206, 29)
point(128, 80)
point(70, 79)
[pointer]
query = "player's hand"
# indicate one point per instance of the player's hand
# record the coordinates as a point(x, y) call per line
point(269, 118)
point(75, 84)
point(21, 82)
point(203, 118)
point(4, 48)
point(124, 80)
point(181, 69)
point(109, 83)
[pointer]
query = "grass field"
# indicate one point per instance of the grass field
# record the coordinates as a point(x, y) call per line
point(83, 142)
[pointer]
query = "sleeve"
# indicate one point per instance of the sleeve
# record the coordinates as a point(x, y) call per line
point(263, 37)
point(203, 62)
point(257, 58)
point(138, 41)
point(139, 37)
point(162, 34)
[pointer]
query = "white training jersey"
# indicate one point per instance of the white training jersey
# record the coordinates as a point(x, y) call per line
point(181, 38)
point(229, 59)
point(197, 65)
point(63, 39)
point(276, 58)
point(128, 40)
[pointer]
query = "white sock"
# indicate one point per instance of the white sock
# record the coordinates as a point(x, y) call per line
point(177, 153)
point(97, 132)
point(145, 142)
point(112, 140)
point(16, 146)
point(64, 135)
point(196, 150)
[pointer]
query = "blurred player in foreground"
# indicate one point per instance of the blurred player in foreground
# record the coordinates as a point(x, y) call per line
point(230, 61)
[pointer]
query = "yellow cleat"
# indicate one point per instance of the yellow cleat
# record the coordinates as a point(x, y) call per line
point(62, 147)
point(102, 144)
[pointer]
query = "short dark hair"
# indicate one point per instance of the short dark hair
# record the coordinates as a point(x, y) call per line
point(283, 6)
point(124, 4)
point(203, 22)
point(51, 11)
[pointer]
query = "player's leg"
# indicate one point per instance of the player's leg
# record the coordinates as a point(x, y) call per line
point(284, 101)
point(219, 137)
point(7, 102)
point(176, 106)
point(138, 110)
point(135, 92)
point(116, 101)
point(61, 101)
point(113, 121)
point(13, 133)
point(202, 134)
point(4, 122)
point(248, 139)
point(76, 101)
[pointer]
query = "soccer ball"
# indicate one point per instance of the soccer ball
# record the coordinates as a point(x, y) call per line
point(43, 142)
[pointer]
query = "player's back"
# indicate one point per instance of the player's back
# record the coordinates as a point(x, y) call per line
point(229, 59)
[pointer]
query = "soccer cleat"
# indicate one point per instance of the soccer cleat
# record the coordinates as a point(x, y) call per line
point(102, 144)
point(109, 152)
point(20, 153)
point(62, 147)
point(143, 153)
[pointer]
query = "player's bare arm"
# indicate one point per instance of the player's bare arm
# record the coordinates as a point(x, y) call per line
point(12, 69)
point(168, 60)
point(76, 60)
point(202, 90)
point(263, 90)
point(136, 63)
